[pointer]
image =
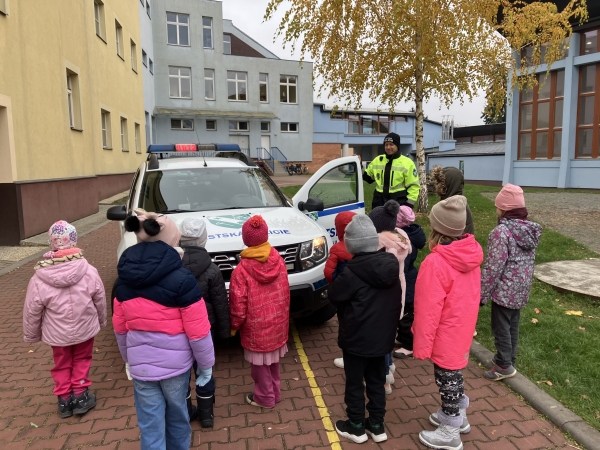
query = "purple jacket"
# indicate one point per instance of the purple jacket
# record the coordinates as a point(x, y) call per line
point(508, 269)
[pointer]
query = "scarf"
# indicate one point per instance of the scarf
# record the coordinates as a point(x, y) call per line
point(517, 213)
point(260, 252)
point(58, 257)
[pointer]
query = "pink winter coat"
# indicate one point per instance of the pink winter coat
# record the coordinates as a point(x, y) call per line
point(447, 303)
point(393, 244)
point(65, 304)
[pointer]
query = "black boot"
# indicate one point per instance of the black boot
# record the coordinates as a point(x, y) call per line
point(205, 411)
point(192, 410)
point(84, 402)
point(65, 406)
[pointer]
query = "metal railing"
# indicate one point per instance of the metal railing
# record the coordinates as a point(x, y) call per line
point(277, 154)
point(262, 154)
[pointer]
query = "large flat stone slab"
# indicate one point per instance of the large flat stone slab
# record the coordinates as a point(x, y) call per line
point(581, 276)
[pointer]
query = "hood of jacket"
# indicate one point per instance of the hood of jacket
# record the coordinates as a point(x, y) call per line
point(448, 181)
point(394, 240)
point(526, 233)
point(145, 263)
point(64, 274)
point(341, 222)
point(416, 235)
point(266, 272)
point(379, 269)
point(463, 255)
point(196, 259)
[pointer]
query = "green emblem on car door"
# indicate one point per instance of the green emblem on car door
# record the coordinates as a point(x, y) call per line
point(235, 221)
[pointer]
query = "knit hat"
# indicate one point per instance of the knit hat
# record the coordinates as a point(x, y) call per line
point(255, 231)
point(393, 138)
point(152, 227)
point(384, 217)
point(449, 217)
point(62, 235)
point(361, 235)
point(341, 222)
point(405, 217)
point(510, 197)
point(193, 231)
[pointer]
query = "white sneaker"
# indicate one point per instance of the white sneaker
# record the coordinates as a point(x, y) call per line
point(392, 367)
point(388, 388)
point(339, 362)
point(389, 378)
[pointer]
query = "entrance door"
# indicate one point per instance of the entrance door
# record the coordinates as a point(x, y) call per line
point(265, 142)
point(242, 141)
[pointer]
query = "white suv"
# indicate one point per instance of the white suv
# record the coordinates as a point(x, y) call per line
point(220, 184)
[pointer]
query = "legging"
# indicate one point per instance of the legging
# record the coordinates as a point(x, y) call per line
point(452, 389)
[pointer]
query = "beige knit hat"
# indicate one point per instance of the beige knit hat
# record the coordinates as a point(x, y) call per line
point(449, 217)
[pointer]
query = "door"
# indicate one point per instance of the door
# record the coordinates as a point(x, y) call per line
point(265, 142)
point(240, 140)
point(339, 185)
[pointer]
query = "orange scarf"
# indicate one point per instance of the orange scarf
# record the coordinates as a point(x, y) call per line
point(260, 252)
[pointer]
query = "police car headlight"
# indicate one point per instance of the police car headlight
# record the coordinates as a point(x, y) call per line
point(313, 253)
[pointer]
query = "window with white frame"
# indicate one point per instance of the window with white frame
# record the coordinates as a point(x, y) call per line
point(287, 88)
point(207, 32)
point(180, 82)
point(178, 29)
point(150, 66)
point(99, 19)
point(119, 38)
point(106, 134)
point(138, 144)
point(144, 58)
point(70, 100)
point(4, 7)
point(211, 125)
point(289, 127)
point(237, 83)
point(182, 124)
point(227, 44)
point(73, 100)
point(234, 125)
point(124, 135)
point(209, 84)
point(134, 57)
point(265, 127)
point(263, 87)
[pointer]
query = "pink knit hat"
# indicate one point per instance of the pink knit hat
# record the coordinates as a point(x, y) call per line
point(62, 235)
point(255, 231)
point(510, 197)
point(405, 217)
point(151, 227)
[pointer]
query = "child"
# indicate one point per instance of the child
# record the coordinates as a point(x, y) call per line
point(161, 326)
point(366, 297)
point(404, 221)
point(446, 308)
point(394, 241)
point(507, 276)
point(65, 307)
point(450, 181)
point(259, 295)
point(197, 260)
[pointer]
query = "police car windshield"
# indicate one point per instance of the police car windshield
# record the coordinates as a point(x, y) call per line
point(208, 189)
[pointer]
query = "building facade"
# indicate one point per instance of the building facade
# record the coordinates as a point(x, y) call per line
point(215, 84)
point(71, 110)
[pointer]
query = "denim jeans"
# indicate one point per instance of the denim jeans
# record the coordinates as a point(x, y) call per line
point(162, 413)
point(388, 363)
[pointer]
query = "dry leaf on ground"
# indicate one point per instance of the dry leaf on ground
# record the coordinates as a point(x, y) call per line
point(582, 328)
point(574, 313)
point(534, 320)
point(537, 311)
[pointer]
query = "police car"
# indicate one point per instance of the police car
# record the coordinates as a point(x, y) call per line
point(222, 185)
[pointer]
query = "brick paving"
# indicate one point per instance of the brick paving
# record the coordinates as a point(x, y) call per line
point(28, 417)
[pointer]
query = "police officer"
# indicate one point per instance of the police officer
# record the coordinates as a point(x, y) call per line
point(395, 175)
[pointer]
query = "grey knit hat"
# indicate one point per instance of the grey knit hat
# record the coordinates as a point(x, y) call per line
point(361, 235)
point(193, 232)
point(384, 217)
point(449, 217)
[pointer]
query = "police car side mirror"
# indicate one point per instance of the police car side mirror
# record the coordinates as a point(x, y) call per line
point(311, 204)
point(118, 212)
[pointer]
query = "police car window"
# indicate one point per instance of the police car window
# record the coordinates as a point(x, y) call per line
point(337, 187)
point(207, 189)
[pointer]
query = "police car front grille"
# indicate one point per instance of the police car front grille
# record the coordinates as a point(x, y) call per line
point(227, 261)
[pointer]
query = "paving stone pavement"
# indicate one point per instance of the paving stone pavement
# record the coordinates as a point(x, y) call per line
point(28, 417)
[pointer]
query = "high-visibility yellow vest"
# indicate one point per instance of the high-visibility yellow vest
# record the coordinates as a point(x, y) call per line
point(403, 176)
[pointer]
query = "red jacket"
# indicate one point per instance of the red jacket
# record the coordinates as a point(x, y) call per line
point(259, 301)
point(447, 303)
point(338, 253)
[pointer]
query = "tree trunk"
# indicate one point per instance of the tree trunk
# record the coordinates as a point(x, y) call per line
point(422, 204)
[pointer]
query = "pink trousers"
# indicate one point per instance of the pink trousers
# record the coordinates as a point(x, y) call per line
point(266, 384)
point(72, 368)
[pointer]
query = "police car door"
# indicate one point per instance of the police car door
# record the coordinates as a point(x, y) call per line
point(339, 185)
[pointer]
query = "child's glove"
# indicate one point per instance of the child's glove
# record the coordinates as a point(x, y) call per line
point(128, 372)
point(232, 332)
point(203, 376)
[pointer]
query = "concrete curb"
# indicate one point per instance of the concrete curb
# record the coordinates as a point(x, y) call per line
point(559, 414)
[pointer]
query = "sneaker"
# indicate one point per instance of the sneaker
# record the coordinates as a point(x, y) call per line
point(497, 373)
point(84, 402)
point(376, 431)
point(402, 353)
point(339, 362)
point(65, 406)
point(445, 438)
point(250, 401)
point(389, 378)
point(349, 430)
point(388, 388)
point(392, 367)
point(464, 428)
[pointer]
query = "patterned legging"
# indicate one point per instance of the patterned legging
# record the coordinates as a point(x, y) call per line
point(452, 389)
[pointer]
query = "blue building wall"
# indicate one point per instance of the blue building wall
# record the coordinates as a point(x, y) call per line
point(476, 168)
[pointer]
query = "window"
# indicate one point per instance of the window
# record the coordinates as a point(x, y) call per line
point(400, 119)
point(263, 87)
point(73, 100)
point(353, 124)
point(589, 42)
point(368, 124)
point(124, 135)
point(209, 84)
point(150, 66)
point(500, 138)
point(211, 125)
point(540, 121)
point(463, 140)
point(238, 126)
point(265, 127)
point(287, 89)
point(288, 127)
point(99, 19)
point(180, 82)
point(138, 145)
point(147, 127)
point(70, 101)
point(142, 2)
point(133, 56)
point(527, 52)
point(207, 32)
point(588, 112)
point(178, 29)
point(236, 86)
point(336, 115)
point(337, 187)
point(4, 7)
point(106, 134)
point(148, 8)
point(227, 44)
point(119, 39)
point(144, 58)
point(479, 139)
point(182, 124)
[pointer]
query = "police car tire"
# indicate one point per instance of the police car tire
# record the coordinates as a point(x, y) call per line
point(318, 317)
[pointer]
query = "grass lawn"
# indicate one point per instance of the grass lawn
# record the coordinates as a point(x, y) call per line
point(559, 352)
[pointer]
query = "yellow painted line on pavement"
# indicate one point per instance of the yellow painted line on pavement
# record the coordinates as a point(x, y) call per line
point(334, 439)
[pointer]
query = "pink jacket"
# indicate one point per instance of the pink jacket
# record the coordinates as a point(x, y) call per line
point(400, 249)
point(447, 303)
point(65, 304)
